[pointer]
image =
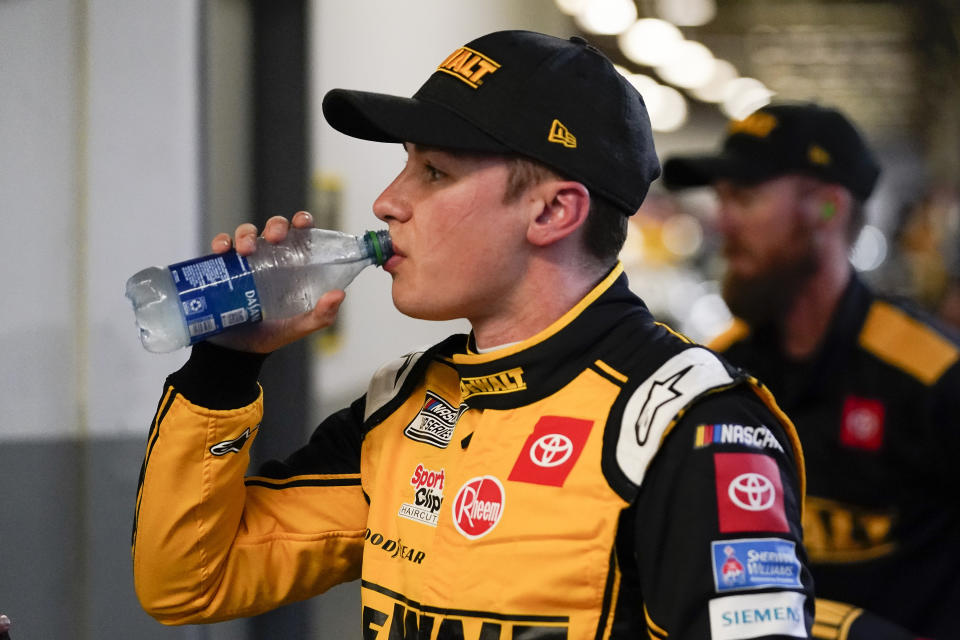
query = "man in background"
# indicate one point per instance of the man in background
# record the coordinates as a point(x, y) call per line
point(872, 384)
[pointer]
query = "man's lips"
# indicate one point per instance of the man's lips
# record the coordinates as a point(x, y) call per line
point(391, 263)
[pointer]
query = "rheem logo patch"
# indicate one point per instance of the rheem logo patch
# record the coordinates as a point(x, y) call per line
point(478, 506)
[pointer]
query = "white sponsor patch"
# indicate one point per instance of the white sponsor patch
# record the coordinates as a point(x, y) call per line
point(435, 423)
point(656, 402)
point(758, 614)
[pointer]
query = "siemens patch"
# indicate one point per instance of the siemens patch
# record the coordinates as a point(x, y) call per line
point(758, 614)
point(758, 437)
point(755, 563)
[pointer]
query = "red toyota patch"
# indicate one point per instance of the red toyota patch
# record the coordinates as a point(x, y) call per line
point(550, 452)
point(862, 424)
point(478, 506)
point(749, 493)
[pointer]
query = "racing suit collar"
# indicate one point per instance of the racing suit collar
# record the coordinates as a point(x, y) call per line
point(521, 374)
point(472, 356)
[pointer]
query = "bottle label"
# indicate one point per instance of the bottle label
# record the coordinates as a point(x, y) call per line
point(216, 292)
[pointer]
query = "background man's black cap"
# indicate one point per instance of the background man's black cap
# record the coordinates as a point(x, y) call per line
point(517, 92)
point(779, 139)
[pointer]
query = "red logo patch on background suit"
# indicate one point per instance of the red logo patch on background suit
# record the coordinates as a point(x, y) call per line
point(862, 424)
point(749, 493)
point(550, 452)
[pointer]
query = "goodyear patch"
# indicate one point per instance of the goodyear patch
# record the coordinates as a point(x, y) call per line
point(755, 563)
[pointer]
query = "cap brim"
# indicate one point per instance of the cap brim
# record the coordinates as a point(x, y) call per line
point(385, 118)
point(698, 171)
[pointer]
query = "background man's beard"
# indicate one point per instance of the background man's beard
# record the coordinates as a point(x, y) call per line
point(767, 297)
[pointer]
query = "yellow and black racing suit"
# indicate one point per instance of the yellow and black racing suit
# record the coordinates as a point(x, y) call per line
point(606, 478)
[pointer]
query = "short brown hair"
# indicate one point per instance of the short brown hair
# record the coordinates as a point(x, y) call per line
point(605, 230)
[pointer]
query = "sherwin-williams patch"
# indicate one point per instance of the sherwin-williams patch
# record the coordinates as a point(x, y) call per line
point(755, 563)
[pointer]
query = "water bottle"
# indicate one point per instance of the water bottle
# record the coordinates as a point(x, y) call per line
point(190, 301)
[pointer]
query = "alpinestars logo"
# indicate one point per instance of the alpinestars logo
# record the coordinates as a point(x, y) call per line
point(661, 392)
point(231, 446)
point(435, 423)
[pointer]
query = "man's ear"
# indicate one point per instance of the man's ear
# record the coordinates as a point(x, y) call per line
point(832, 206)
point(565, 205)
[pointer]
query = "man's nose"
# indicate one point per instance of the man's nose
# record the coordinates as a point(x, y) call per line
point(392, 204)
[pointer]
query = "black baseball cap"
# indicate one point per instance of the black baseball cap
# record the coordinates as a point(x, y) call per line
point(779, 139)
point(558, 101)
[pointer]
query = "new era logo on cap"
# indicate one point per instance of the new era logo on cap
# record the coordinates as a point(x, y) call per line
point(560, 135)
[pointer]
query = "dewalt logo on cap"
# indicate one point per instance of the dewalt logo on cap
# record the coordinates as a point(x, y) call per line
point(561, 135)
point(468, 65)
point(757, 124)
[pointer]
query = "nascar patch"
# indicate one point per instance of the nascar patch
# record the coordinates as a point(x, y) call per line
point(755, 563)
point(434, 423)
point(758, 437)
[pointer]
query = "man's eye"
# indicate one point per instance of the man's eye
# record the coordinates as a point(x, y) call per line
point(432, 172)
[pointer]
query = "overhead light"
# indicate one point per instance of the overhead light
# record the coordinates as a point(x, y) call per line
point(571, 7)
point(672, 111)
point(607, 17)
point(666, 106)
point(650, 41)
point(689, 66)
point(687, 13)
point(715, 90)
point(648, 88)
point(743, 96)
point(870, 249)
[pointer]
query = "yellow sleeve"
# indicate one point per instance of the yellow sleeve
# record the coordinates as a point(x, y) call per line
point(209, 544)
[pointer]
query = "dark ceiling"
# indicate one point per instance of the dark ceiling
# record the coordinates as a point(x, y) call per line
point(893, 66)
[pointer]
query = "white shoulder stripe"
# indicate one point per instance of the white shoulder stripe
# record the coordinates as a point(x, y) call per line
point(386, 382)
point(656, 402)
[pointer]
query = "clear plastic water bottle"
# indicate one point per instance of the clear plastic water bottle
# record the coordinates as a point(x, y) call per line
point(190, 301)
